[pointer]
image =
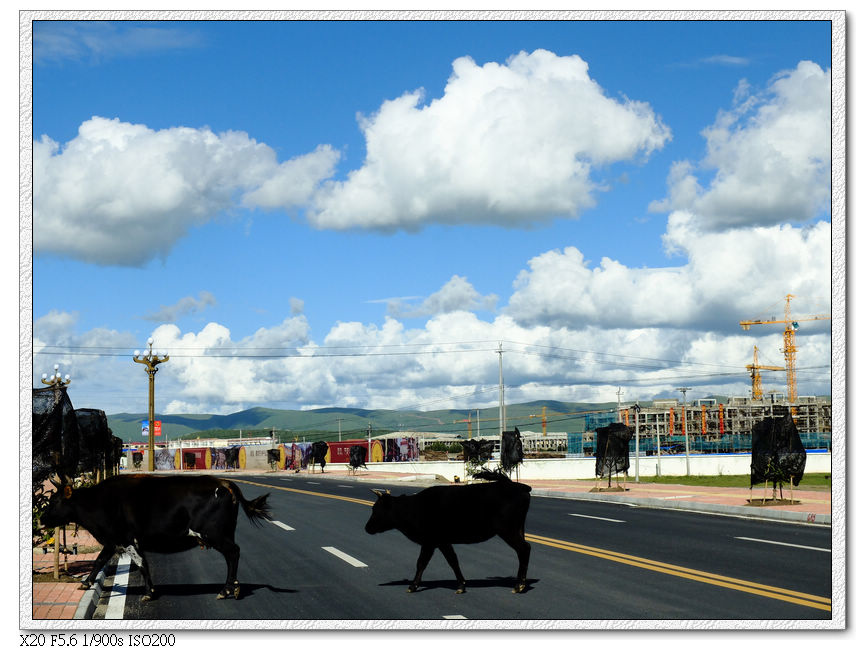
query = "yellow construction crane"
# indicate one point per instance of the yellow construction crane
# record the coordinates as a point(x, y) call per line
point(756, 381)
point(791, 324)
point(543, 415)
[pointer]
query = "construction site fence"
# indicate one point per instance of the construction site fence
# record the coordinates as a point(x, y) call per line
point(697, 444)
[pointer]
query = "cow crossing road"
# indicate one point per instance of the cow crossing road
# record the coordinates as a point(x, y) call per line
point(611, 562)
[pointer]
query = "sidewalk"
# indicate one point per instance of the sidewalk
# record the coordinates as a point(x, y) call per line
point(64, 600)
point(59, 600)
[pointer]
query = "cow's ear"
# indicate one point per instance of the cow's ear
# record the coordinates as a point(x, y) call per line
point(67, 491)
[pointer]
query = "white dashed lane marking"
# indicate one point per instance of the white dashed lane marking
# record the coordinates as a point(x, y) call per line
point(345, 557)
point(617, 521)
point(769, 541)
point(281, 525)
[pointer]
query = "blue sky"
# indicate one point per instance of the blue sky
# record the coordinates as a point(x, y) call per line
point(393, 199)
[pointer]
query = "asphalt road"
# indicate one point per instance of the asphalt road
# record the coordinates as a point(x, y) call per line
point(590, 561)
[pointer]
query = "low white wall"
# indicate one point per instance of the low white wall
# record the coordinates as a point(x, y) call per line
point(584, 468)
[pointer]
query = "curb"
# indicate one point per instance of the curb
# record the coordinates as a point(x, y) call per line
point(91, 597)
point(696, 506)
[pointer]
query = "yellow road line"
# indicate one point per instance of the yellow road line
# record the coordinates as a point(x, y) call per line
point(808, 600)
point(364, 502)
point(778, 593)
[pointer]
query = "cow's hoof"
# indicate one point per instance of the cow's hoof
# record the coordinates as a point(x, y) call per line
point(412, 589)
point(146, 598)
point(461, 589)
point(520, 588)
point(237, 592)
point(84, 585)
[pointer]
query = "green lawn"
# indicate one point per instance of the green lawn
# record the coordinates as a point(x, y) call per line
point(818, 480)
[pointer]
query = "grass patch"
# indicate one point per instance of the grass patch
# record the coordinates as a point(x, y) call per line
point(809, 481)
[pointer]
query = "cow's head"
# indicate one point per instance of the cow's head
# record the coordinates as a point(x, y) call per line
point(381, 518)
point(59, 510)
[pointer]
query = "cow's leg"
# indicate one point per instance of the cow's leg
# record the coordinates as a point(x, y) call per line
point(426, 552)
point(144, 567)
point(517, 541)
point(231, 552)
point(451, 556)
point(105, 554)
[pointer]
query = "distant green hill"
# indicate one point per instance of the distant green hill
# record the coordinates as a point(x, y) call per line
point(327, 423)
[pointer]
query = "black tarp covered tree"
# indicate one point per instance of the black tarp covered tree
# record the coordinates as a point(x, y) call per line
point(611, 450)
point(512, 450)
point(356, 457)
point(95, 443)
point(777, 453)
point(55, 434)
point(476, 453)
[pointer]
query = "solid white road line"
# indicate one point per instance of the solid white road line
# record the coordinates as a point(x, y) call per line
point(117, 597)
point(769, 541)
point(281, 525)
point(344, 556)
point(618, 521)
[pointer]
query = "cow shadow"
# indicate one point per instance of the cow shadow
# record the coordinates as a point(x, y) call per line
point(497, 582)
point(168, 590)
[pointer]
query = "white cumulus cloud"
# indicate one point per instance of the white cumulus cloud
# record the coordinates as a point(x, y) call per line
point(457, 294)
point(729, 276)
point(769, 156)
point(122, 194)
point(509, 144)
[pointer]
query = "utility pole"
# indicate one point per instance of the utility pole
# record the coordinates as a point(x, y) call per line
point(501, 393)
point(637, 447)
point(339, 427)
point(619, 405)
point(685, 389)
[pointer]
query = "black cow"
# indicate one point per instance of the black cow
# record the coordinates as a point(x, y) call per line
point(443, 515)
point(163, 514)
point(357, 457)
point(319, 451)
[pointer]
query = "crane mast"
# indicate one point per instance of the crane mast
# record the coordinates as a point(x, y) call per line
point(756, 381)
point(791, 324)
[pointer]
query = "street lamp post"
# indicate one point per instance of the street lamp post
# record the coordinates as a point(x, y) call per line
point(56, 381)
point(150, 359)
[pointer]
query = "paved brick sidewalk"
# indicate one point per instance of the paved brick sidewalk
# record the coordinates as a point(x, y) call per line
point(59, 600)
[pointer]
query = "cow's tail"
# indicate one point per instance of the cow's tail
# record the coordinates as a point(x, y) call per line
point(499, 475)
point(256, 509)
